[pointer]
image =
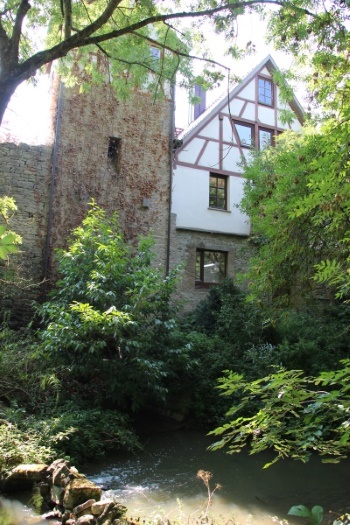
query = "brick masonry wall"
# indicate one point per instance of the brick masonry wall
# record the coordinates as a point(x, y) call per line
point(137, 186)
point(24, 175)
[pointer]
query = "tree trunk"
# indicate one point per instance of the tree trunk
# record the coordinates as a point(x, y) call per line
point(6, 91)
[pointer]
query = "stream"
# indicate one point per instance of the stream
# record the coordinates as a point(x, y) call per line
point(163, 480)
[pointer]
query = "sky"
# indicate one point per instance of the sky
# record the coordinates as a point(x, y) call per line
point(27, 117)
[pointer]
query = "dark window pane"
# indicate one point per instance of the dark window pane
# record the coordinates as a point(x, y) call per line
point(214, 264)
point(217, 191)
point(210, 266)
point(220, 202)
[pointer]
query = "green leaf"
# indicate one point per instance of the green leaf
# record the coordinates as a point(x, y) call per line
point(317, 514)
point(300, 510)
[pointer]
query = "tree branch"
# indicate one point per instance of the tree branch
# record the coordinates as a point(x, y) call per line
point(17, 28)
point(7, 10)
point(178, 52)
point(83, 38)
point(171, 16)
point(67, 4)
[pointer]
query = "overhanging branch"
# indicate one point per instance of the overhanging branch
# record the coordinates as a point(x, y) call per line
point(17, 28)
point(84, 37)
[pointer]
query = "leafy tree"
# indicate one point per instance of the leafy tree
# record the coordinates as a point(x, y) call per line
point(296, 416)
point(318, 38)
point(297, 196)
point(109, 322)
point(34, 34)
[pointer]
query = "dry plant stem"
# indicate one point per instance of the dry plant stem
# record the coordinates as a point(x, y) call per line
point(206, 476)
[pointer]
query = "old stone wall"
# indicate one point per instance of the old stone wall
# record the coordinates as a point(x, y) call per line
point(184, 244)
point(131, 177)
point(24, 175)
point(117, 153)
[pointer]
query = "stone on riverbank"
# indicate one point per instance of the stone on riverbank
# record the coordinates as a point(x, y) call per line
point(23, 477)
point(80, 490)
point(70, 497)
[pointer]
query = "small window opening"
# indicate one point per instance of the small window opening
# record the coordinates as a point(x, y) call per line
point(265, 91)
point(210, 267)
point(155, 52)
point(114, 151)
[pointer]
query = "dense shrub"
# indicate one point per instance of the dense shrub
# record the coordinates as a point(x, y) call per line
point(18, 446)
point(228, 332)
point(82, 434)
point(110, 324)
point(25, 380)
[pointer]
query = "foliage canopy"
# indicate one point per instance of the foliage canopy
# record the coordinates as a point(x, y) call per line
point(37, 33)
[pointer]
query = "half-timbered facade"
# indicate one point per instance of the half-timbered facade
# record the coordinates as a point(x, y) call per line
point(210, 231)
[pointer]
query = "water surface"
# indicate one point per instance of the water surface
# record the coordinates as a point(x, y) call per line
point(165, 473)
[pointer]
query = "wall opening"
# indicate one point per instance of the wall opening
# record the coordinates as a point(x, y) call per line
point(114, 152)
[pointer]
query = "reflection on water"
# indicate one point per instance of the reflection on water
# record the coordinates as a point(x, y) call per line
point(13, 512)
point(166, 472)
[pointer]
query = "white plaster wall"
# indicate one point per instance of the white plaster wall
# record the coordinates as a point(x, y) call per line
point(235, 106)
point(210, 155)
point(231, 159)
point(266, 116)
point(248, 92)
point(227, 131)
point(190, 201)
point(191, 151)
point(211, 130)
point(249, 112)
point(296, 126)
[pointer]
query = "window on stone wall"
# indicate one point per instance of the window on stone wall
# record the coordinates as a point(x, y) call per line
point(218, 185)
point(265, 91)
point(245, 134)
point(114, 152)
point(210, 267)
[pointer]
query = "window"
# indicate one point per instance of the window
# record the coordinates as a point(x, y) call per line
point(218, 191)
point(265, 92)
point(155, 52)
point(114, 151)
point(245, 134)
point(210, 267)
point(265, 138)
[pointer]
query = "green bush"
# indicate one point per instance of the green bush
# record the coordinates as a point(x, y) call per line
point(82, 434)
point(25, 380)
point(18, 446)
point(228, 332)
point(110, 324)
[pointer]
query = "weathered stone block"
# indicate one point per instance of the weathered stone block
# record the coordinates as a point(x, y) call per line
point(80, 490)
point(84, 508)
point(99, 506)
point(57, 495)
point(87, 519)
